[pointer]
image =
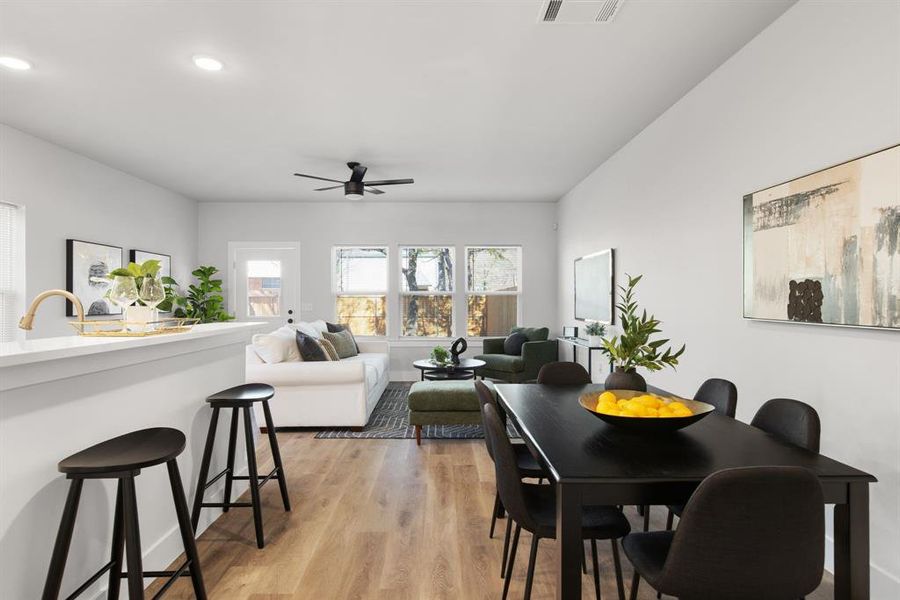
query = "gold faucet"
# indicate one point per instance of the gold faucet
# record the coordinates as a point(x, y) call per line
point(27, 321)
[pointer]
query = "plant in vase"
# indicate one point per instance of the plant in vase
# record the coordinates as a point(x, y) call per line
point(595, 331)
point(138, 291)
point(204, 300)
point(440, 356)
point(634, 348)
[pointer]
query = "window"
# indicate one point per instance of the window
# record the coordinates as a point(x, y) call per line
point(11, 262)
point(263, 288)
point(360, 285)
point(426, 291)
point(493, 285)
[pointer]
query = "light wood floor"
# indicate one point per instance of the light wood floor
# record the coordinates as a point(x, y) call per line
point(380, 519)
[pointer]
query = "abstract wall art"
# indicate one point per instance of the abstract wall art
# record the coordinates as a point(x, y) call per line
point(825, 248)
point(87, 265)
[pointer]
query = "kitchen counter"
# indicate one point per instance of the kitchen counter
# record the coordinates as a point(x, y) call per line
point(61, 395)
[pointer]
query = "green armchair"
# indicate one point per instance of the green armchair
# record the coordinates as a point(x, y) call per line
point(536, 352)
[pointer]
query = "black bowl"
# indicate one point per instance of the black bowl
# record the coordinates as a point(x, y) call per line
point(648, 424)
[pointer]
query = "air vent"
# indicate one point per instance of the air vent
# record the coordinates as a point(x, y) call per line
point(579, 11)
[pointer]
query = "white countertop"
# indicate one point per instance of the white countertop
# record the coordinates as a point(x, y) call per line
point(32, 351)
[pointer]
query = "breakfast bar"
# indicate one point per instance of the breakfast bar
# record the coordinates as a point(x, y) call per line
point(60, 395)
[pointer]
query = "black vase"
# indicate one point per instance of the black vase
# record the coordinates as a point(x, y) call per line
point(620, 379)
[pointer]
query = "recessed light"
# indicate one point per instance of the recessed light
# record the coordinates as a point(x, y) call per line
point(208, 63)
point(16, 64)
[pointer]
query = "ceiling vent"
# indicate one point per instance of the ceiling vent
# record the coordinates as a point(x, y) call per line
point(579, 11)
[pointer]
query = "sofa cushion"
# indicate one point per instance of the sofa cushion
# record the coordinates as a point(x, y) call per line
point(343, 342)
point(309, 347)
point(376, 361)
point(512, 345)
point(503, 362)
point(278, 346)
point(426, 396)
point(534, 334)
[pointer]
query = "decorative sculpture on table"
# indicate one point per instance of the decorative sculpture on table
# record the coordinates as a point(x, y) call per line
point(458, 347)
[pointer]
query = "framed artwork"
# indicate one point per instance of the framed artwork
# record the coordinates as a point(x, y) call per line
point(87, 265)
point(825, 248)
point(594, 289)
point(165, 261)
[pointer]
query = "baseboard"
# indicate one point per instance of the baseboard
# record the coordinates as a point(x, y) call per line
point(168, 547)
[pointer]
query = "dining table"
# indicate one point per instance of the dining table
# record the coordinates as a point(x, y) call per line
point(591, 462)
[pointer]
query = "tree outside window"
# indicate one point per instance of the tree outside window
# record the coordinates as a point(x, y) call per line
point(426, 291)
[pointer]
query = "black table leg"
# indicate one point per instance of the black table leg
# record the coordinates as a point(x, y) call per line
point(851, 544)
point(569, 543)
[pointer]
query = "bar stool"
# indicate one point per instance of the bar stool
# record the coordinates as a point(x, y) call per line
point(240, 399)
point(122, 458)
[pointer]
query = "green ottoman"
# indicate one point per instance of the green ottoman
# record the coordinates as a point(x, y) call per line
point(443, 403)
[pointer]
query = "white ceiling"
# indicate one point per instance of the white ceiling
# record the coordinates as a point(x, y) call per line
point(475, 100)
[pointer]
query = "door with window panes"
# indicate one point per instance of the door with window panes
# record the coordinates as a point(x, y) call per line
point(266, 284)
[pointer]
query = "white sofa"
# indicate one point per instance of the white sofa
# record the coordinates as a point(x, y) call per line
point(324, 394)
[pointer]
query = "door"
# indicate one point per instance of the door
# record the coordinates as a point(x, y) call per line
point(266, 282)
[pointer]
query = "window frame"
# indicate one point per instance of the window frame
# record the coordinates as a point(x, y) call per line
point(335, 293)
point(17, 269)
point(518, 293)
point(452, 293)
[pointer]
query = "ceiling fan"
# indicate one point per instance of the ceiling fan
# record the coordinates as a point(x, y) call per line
point(355, 187)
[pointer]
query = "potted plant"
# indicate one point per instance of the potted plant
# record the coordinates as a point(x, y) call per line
point(634, 348)
point(204, 300)
point(148, 290)
point(595, 331)
point(440, 356)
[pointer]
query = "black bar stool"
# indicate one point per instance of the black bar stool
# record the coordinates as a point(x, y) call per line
point(241, 398)
point(122, 458)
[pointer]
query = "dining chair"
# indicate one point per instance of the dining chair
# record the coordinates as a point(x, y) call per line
point(792, 421)
point(533, 508)
point(722, 395)
point(730, 542)
point(563, 373)
point(527, 464)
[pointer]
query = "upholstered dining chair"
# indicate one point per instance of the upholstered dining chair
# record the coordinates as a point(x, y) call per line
point(792, 421)
point(723, 395)
point(525, 461)
point(563, 373)
point(533, 508)
point(731, 544)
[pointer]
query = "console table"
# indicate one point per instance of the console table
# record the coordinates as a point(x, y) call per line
point(577, 343)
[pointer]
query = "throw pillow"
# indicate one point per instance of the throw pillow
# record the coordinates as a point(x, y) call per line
point(320, 326)
point(276, 347)
point(309, 348)
point(329, 349)
point(336, 327)
point(512, 345)
point(308, 329)
point(342, 342)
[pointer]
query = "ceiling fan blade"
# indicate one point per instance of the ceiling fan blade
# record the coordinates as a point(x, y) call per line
point(333, 187)
point(373, 190)
point(359, 172)
point(319, 178)
point(390, 182)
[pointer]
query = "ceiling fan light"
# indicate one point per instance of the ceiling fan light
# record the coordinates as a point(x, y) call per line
point(353, 196)
point(353, 190)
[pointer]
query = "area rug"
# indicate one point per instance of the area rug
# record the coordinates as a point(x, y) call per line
point(390, 421)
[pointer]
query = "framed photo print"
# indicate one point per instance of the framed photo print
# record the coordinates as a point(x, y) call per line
point(87, 265)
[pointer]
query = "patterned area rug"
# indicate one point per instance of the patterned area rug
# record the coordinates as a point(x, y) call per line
point(390, 421)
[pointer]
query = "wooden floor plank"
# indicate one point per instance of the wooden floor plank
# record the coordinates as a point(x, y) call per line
point(381, 520)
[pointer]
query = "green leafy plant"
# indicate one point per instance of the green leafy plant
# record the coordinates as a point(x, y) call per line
point(204, 299)
point(634, 348)
point(595, 328)
point(440, 355)
point(148, 268)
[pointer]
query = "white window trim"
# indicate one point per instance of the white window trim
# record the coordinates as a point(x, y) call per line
point(452, 293)
point(19, 268)
point(518, 293)
point(386, 292)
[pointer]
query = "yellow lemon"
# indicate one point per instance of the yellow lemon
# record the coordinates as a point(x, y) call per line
point(606, 397)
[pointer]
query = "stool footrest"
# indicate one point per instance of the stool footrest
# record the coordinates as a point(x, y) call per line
point(230, 505)
point(259, 483)
point(217, 477)
point(93, 578)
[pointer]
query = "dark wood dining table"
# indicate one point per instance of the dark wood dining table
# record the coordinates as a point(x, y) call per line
point(594, 463)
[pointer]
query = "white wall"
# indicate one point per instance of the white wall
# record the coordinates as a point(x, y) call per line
point(67, 195)
point(320, 226)
point(819, 86)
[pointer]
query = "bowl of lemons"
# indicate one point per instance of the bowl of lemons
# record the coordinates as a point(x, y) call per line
point(643, 410)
